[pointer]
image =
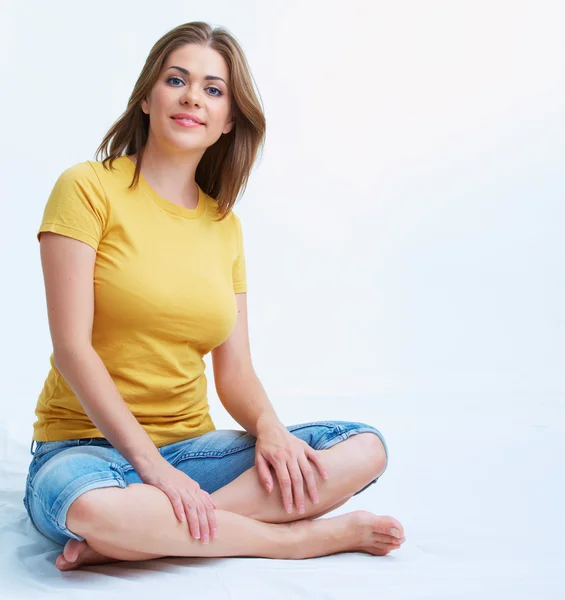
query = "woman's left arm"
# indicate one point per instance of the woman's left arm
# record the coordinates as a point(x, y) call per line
point(237, 384)
point(244, 397)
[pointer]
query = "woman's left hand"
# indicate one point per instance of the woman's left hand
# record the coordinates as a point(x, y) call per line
point(289, 457)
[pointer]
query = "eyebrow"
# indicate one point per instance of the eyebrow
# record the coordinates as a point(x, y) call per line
point(208, 77)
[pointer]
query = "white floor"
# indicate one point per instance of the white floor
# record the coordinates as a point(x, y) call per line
point(481, 501)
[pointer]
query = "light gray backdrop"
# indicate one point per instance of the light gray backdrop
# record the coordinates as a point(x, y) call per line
point(403, 230)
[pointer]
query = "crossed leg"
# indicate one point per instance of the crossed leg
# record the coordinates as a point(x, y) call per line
point(351, 465)
point(128, 524)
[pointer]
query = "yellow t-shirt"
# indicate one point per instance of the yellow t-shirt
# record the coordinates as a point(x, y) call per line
point(165, 281)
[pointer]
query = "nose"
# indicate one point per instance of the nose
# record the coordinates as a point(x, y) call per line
point(191, 95)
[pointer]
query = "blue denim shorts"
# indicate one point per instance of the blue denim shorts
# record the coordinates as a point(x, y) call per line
point(63, 470)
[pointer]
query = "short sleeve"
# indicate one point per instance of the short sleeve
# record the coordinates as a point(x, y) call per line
point(239, 271)
point(77, 206)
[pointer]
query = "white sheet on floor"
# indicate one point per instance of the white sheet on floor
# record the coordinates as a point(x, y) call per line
point(481, 501)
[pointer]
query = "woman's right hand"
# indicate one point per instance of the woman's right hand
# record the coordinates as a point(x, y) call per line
point(187, 498)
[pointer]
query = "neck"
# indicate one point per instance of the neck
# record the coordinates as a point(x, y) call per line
point(171, 174)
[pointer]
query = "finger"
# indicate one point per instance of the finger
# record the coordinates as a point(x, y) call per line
point(190, 509)
point(211, 500)
point(212, 523)
point(285, 484)
point(178, 507)
point(264, 473)
point(308, 474)
point(203, 520)
point(297, 484)
point(315, 458)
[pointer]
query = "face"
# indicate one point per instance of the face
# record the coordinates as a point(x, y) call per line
point(179, 92)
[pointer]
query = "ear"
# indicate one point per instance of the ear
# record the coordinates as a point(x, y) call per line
point(229, 125)
point(145, 106)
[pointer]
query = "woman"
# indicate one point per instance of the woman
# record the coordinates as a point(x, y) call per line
point(144, 273)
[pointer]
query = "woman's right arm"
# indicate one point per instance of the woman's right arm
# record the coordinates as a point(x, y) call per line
point(68, 272)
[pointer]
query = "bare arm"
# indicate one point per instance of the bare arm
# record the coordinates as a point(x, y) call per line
point(68, 268)
point(237, 384)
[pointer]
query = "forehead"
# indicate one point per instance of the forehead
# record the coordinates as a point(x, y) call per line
point(199, 60)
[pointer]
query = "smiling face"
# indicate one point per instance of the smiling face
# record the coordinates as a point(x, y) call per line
point(191, 88)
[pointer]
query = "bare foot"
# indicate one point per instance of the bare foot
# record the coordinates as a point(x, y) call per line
point(357, 531)
point(78, 554)
point(375, 533)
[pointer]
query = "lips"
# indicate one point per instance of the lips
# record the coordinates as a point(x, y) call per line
point(188, 116)
point(187, 121)
point(186, 124)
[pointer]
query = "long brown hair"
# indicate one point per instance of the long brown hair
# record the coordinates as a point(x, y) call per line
point(225, 167)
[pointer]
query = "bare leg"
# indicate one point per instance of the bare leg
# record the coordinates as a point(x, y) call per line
point(122, 523)
point(351, 465)
point(245, 494)
point(77, 554)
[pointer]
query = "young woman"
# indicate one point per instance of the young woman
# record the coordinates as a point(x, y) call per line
point(144, 272)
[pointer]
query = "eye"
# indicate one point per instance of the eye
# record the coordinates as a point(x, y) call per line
point(211, 87)
point(171, 78)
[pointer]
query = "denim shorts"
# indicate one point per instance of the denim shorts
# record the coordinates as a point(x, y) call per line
point(63, 470)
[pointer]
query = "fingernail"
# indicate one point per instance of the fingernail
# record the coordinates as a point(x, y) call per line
point(205, 539)
point(215, 533)
point(325, 474)
point(197, 535)
point(289, 508)
point(395, 532)
point(316, 499)
point(301, 509)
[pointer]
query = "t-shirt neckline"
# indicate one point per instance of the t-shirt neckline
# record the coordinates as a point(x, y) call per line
point(171, 207)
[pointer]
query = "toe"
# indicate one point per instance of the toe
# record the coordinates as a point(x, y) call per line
point(392, 527)
point(72, 549)
point(61, 563)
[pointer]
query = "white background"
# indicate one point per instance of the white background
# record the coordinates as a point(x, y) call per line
point(404, 228)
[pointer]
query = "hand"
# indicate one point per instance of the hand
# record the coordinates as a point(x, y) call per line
point(187, 498)
point(289, 456)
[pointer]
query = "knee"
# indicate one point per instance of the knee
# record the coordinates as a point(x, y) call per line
point(373, 452)
point(88, 509)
